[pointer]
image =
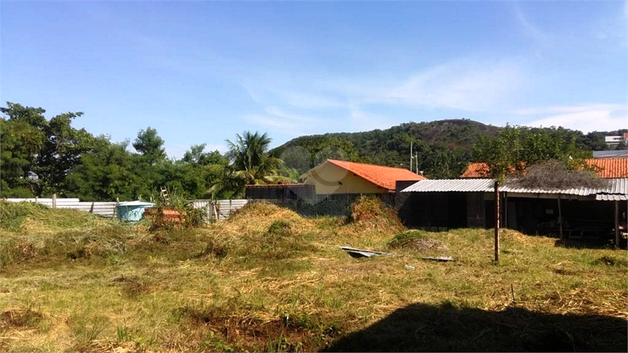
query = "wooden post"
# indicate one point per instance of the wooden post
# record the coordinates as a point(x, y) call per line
point(505, 210)
point(616, 224)
point(560, 219)
point(54, 200)
point(497, 222)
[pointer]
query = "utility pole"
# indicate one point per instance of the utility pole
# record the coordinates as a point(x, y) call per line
point(410, 155)
point(416, 162)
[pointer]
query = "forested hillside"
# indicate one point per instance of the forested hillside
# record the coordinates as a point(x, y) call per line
point(443, 148)
point(42, 156)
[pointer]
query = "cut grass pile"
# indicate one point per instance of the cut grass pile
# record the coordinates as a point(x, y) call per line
point(34, 217)
point(270, 280)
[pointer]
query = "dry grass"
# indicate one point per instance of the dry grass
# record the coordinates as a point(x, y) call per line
point(270, 280)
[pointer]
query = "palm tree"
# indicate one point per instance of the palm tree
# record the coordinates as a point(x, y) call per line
point(250, 163)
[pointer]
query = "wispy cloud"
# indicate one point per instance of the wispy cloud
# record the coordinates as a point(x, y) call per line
point(287, 123)
point(355, 103)
point(586, 118)
point(529, 29)
point(468, 84)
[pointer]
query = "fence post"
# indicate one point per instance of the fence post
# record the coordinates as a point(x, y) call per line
point(497, 215)
point(54, 200)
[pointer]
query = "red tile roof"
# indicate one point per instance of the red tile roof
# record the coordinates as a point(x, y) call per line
point(476, 170)
point(609, 168)
point(385, 177)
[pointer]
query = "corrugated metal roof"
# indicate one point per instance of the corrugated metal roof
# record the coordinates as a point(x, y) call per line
point(607, 197)
point(451, 185)
point(610, 154)
point(616, 186)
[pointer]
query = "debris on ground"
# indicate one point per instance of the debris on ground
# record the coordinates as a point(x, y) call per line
point(417, 240)
point(362, 253)
point(410, 267)
point(439, 258)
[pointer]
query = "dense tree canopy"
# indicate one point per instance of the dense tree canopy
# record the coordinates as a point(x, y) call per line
point(518, 148)
point(40, 156)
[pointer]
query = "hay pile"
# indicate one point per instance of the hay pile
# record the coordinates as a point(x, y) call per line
point(418, 241)
point(258, 216)
point(29, 217)
point(370, 213)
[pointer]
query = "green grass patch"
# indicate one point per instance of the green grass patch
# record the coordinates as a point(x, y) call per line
point(269, 280)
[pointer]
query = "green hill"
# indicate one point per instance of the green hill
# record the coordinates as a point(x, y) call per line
point(443, 147)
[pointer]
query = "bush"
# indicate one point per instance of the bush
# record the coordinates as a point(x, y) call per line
point(558, 175)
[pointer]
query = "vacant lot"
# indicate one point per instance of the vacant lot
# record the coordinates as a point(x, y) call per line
point(270, 280)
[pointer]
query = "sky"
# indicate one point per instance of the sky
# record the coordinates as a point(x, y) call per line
point(201, 72)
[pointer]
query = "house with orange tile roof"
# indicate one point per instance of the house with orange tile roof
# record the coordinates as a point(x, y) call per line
point(607, 168)
point(342, 177)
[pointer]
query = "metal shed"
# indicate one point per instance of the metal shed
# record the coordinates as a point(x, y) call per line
point(456, 203)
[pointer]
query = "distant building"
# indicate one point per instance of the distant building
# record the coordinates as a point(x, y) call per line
point(616, 140)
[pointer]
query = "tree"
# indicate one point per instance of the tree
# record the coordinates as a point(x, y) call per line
point(106, 173)
point(250, 162)
point(517, 148)
point(150, 145)
point(37, 154)
point(197, 156)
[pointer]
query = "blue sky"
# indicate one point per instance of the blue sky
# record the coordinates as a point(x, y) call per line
point(200, 72)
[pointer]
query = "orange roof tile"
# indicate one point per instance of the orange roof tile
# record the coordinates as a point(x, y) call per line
point(608, 168)
point(476, 170)
point(385, 177)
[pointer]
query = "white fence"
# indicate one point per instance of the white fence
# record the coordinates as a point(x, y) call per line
point(105, 209)
point(220, 209)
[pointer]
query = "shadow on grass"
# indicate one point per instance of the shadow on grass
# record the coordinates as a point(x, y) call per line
point(593, 243)
point(421, 327)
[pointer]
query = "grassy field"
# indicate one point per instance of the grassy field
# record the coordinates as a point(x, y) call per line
point(270, 280)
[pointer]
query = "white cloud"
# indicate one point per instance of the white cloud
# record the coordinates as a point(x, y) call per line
point(471, 85)
point(276, 118)
point(312, 100)
point(529, 29)
point(326, 104)
point(568, 109)
point(586, 118)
